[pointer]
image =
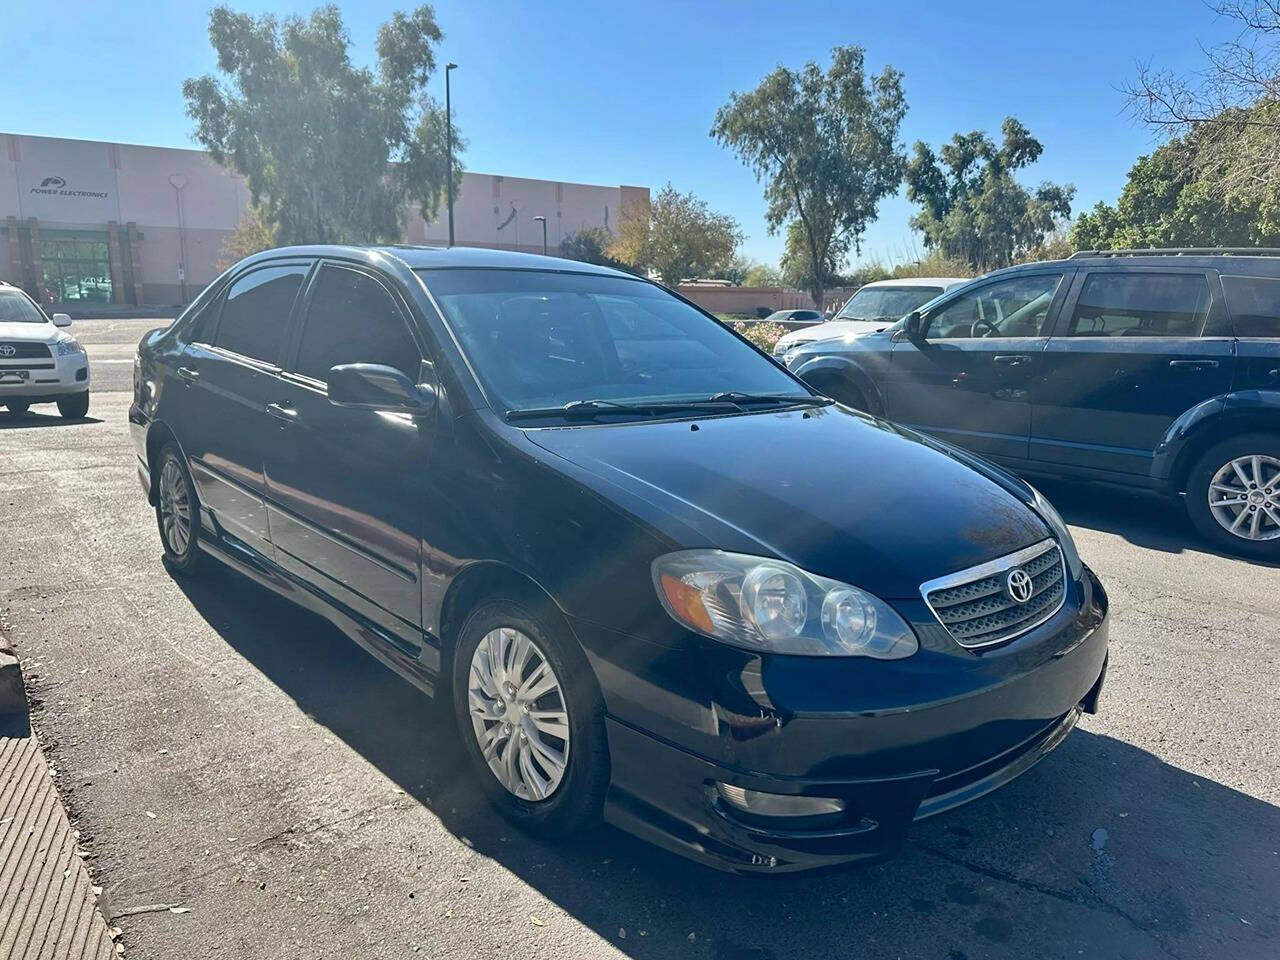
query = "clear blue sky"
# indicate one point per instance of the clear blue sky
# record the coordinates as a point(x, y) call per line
point(625, 93)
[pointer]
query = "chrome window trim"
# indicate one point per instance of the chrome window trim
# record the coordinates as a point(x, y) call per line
point(991, 568)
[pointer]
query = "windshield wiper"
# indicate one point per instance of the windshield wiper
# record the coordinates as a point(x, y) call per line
point(592, 408)
point(735, 397)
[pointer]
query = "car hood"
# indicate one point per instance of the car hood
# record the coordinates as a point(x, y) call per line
point(836, 493)
point(832, 329)
point(29, 332)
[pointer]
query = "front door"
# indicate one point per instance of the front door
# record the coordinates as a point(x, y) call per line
point(225, 378)
point(345, 487)
point(1135, 348)
point(969, 378)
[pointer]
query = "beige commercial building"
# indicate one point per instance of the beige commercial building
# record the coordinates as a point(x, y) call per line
point(84, 222)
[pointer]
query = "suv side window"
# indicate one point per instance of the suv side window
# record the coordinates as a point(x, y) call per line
point(1016, 307)
point(354, 319)
point(255, 312)
point(1254, 303)
point(1123, 304)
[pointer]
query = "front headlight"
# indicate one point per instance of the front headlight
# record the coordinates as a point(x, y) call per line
point(68, 348)
point(774, 606)
point(1049, 514)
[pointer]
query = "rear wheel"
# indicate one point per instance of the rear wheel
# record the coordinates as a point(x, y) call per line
point(18, 407)
point(1233, 495)
point(75, 406)
point(531, 717)
point(177, 511)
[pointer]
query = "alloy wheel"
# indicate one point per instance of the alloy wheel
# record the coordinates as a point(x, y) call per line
point(518, 714)
point(1244, 497)
point(175, 507)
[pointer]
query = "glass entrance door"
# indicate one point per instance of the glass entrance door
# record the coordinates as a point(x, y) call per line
point(76, 264)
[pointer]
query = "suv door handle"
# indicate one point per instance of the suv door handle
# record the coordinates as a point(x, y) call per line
point(281, 412)
point(1193, 364)
point(1012, 359)
point(189, 374)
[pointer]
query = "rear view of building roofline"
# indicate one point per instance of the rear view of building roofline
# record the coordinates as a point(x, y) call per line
point(85, 223)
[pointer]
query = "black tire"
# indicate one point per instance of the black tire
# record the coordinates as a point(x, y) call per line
point(839, 389)
point(75, 406)
point(183, 559)
point(18, 408)
point(1201, 475)
point(576, 803)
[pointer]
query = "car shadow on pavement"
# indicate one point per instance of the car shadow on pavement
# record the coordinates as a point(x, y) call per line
point(29, 420)
point(1102, 850)
point(1144, 519)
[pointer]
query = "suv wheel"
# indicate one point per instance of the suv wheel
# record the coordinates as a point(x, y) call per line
point(74, 407)
point(18, 407)
point(177, 511)
point(1233, 495)
point(531, 718)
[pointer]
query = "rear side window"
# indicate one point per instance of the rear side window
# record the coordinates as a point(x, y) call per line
point(1255, 306)
point(1140, 305)
point(354, 319)
point(256, 311)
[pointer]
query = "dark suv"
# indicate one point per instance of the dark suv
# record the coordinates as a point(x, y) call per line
point(1154, 369)
point(566, 499)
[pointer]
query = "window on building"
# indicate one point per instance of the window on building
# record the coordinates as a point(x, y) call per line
point(353, 319)
point(1254, 304)
point(1141, 305)
point(255, 313)
point(76, 265)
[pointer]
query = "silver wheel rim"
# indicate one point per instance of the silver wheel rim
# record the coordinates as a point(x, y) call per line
point(1244, 497)
point(175, 507)
point(518, 714)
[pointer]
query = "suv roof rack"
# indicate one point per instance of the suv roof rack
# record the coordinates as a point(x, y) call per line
point(1182, 252)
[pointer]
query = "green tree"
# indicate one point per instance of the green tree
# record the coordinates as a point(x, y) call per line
point(330, 151)
point(797, 263)
point(251, 235)
point(972, 208)
point(677, 236)
point(826, 146)
point(590, 245)
point(762, 275)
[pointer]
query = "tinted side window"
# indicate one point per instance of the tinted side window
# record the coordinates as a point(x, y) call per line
point(1016, 307)
point(1140, 305)
point(255, 313)
point(1255, 305)
point(353, 319)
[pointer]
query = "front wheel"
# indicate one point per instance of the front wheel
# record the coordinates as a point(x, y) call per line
point(75, 406)
point(1233, 495)
point(531, 717)
point(177, 511)
point(18, 407)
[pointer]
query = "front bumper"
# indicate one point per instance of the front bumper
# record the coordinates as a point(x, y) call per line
point(890, 766)
point(45, 379)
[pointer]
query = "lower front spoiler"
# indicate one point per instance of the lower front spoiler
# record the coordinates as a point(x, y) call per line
point(696, 823)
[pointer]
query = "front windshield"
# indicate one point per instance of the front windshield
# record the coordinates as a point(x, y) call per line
point(540, 339)
point(876, 303)
point(15, 307)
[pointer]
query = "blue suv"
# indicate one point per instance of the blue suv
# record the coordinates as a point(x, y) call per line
point(1157, 369)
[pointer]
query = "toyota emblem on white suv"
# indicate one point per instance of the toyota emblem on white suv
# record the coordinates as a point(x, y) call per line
point(7, 350)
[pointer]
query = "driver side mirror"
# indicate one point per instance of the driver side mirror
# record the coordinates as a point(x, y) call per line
point(62, 319)
point(913, 326)
point(373, 386)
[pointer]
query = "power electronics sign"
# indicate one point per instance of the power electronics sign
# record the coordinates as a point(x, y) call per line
point(58, 187)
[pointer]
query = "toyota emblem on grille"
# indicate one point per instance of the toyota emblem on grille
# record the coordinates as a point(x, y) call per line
point(7, 350)
point(1018, 583)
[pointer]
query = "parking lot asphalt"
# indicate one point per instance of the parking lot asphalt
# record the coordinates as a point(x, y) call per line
point(225, 752)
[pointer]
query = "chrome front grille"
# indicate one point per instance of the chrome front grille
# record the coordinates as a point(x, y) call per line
point(980, 606)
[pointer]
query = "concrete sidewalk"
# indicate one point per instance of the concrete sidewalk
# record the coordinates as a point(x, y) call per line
point(48, 910)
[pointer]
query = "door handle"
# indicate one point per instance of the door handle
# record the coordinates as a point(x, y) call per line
point(189, 374)
point(1193, 364)
point(281, 412)
point(1012, 359)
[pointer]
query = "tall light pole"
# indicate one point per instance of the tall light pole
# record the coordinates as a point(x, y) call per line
point(544, 234)
point(448, 160)
point(178, 181)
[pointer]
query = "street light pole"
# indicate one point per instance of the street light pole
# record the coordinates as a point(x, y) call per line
point(178, 181)
point(544, 234)
point(448, 161)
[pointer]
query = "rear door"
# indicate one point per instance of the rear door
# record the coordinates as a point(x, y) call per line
point(969, 379)
point(217, 409)
point(1135, 347)
point(346, 487)
point(1254, 304)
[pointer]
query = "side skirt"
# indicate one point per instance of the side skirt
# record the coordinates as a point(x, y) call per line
point(422, 672)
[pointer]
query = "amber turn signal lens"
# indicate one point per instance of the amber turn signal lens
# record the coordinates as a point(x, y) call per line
point(686, 603)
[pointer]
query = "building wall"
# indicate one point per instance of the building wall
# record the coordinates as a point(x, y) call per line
point(745, 300)
point(183, 206)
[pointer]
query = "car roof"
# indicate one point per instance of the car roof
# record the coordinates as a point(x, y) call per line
point(942, 282)
point(1246, 264)
point(424, 257)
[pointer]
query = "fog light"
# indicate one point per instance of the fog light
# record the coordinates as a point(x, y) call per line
point(776, 804)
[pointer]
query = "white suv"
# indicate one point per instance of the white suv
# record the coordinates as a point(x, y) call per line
point(39, 363)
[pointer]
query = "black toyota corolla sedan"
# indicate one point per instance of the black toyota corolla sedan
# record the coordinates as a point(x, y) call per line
point(657, 577)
